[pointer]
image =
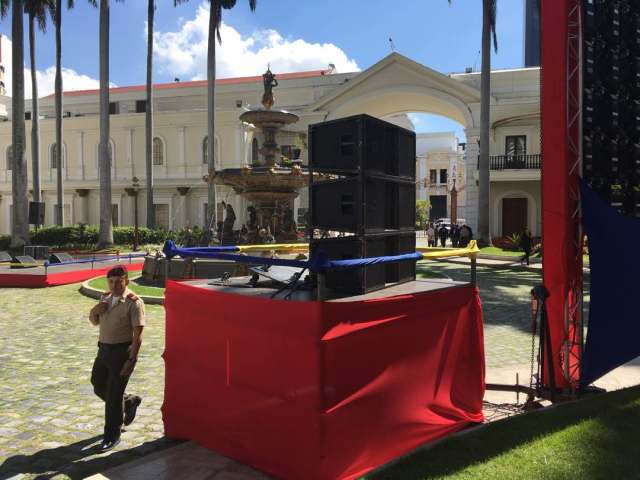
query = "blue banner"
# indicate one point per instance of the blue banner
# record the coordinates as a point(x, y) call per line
point(613, 336)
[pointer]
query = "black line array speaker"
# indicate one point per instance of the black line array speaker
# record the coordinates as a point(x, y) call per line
point(366, 279)
point(611, 101)
point(362, 144)
point(367, 197)
point(36, 213)
point(364, 205)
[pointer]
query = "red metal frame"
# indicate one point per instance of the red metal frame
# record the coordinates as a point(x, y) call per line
point(561, 146)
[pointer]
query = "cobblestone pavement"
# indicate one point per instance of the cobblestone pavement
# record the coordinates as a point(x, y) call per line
point(506, 303)
point(50, 420)
point(49, 417)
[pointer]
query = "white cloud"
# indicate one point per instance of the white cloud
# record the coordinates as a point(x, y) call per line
point(71, 80)
point(184, 52)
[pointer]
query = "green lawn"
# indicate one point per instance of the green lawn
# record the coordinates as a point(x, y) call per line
point(594, 438)
point(500, 251)
point(101, 284)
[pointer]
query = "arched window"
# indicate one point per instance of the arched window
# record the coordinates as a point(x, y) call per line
point(158, 151)
point(10, 157)
point(254, 151)
point(205, 150)
point(54, 158)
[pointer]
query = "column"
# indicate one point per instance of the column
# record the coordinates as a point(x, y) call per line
point(83, 205)
point(183, 213)
point(471, 160)
point(182, 157)
point(129, 153)
point(80, 150)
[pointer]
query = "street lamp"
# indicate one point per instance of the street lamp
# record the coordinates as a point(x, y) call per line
point(133, 192)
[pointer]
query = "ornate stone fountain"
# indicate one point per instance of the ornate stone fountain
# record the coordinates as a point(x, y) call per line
point(270, 187)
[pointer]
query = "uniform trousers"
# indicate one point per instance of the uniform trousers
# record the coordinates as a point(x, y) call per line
point(109, 385)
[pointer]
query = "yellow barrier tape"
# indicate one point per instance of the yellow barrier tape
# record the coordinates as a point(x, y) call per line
point(279, 247)
point(471, 250)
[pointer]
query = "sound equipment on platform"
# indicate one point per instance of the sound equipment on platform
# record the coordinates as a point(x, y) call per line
point(5, 257)
point(36, 213)
point(24, 261)
point(60, 257)
point(611, 101)
point(363, 202)
point(39, 252)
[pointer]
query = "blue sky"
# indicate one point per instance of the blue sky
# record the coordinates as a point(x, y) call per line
point(290, 34)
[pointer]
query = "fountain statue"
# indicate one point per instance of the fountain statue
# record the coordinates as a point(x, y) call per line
point(270, 187)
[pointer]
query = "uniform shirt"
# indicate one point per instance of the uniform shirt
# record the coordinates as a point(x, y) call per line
point(124, 313)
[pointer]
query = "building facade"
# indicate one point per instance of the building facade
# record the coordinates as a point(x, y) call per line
point(441, 167)
point(389, 89)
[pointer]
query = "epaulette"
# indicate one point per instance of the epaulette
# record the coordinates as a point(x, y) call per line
point(133, 297)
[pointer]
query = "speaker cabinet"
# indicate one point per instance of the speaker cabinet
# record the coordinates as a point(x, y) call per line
point(366, 205)
point(362, 144)
point(60, 257)
point(366, 279)
point(36, 213)
point(24, 261)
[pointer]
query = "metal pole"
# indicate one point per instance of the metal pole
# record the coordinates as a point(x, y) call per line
point(474, 275)
point(135, 219)
point(322, 288)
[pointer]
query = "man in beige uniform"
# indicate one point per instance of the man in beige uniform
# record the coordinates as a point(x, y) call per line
point(120, 316)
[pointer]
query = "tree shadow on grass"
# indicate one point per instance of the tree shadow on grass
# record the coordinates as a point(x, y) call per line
point(77, 460)
point(454, 454)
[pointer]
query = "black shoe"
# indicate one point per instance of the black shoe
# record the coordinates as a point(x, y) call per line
point(107, 445)
point(131, 409)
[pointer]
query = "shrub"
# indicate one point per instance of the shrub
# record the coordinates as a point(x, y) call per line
point(5, 242)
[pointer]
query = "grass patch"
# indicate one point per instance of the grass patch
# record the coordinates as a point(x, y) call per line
point(100, 283)
point(500, 252)
point(594, 438)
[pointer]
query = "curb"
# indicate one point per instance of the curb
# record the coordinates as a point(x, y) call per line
point(91, 292)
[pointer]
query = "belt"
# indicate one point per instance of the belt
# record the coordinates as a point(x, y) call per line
point(113, 346)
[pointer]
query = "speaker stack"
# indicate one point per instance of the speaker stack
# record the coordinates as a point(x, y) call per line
point(364, 204)
point(611, 101)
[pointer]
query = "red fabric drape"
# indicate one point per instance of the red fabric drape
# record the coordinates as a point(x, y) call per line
point(320, 390)
point(55, 279)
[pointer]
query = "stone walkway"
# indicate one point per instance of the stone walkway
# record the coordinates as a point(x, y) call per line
point(50, 420)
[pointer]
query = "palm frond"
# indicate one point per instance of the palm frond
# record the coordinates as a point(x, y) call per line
point(493, 16)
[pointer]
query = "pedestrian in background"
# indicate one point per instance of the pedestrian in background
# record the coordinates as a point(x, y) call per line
point(525, 245)
point(431, 235)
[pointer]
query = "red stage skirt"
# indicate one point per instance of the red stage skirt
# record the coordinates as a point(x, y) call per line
point(321, 390)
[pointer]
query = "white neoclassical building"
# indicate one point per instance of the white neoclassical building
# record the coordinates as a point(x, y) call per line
point(389, 89)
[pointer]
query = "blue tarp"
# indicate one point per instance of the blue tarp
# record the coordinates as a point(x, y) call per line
point(613, 337)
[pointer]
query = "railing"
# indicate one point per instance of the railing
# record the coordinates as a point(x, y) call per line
point(514, 162)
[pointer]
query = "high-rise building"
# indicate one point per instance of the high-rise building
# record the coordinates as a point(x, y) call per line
point(532, 33)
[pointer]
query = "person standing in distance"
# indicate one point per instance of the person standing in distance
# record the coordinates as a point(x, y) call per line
point(120, 318)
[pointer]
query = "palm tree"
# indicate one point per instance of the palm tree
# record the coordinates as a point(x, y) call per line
point(19, 176)
point(37, 11)
point(105, 234)
point(489, 16)
point(215, 20)
point(151, 217)
point(59, 153)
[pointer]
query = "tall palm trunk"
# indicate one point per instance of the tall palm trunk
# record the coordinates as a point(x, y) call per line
point(151, 217)
point(35, 113)
point(20, 222)
point(485, 105)
point(58, 87)
point(105, 236)
point(211, 119)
